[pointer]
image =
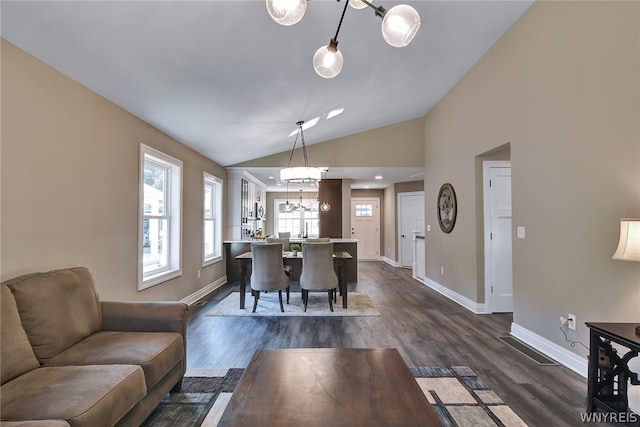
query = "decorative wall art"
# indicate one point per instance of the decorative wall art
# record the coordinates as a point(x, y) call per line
point(447, 207)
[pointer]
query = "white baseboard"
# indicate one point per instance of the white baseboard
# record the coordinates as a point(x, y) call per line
point(563, 356)
point(194, 297)
point(475, 307)
point(390, 261)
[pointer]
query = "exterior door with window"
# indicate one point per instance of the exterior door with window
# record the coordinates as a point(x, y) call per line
point(365, 226)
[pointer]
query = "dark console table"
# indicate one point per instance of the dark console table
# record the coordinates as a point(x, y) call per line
point(608, 370)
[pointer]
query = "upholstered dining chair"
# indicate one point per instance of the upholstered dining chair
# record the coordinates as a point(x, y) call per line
point(317, 271)
point(267, 272)
point(284, 241)
point(284, 235)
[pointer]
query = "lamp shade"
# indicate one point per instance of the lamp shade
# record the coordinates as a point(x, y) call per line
point(400, 24)
point(287, 12)
point(629, 245)
point(300, 175)
point(327, 61)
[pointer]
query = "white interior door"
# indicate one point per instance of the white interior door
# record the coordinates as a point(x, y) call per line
point(365, 226)
point(500, 266)
point(411, 218)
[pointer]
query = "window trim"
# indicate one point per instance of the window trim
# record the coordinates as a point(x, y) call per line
point(218, 187)
point(174, 211)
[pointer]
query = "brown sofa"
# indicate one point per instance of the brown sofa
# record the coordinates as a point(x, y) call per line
point(69, 359)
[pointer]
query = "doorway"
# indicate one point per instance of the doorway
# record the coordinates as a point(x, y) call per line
point(498, 236)
point(365, 226)
point(410, 220)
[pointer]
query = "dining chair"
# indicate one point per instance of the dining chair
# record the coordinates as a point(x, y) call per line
point(284, 241)
point(267, 272)
point(317, 271)
point(284, 235)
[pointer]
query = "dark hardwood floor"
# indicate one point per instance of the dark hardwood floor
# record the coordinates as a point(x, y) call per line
point(427, 329)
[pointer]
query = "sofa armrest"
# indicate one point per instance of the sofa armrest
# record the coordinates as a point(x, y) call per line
point(139, 316)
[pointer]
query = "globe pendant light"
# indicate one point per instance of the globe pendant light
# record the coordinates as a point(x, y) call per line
point(357, 4)
point(328, 60)
point(287, 12)
point(400, 24)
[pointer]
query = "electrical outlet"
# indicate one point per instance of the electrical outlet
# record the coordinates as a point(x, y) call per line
point(571, 321)
point(198, 274)
point(442, 271)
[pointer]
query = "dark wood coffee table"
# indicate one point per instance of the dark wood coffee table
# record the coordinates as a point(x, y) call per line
point(328, 387)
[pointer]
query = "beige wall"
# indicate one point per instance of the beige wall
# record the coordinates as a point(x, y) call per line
point(400, 144)
point(562, 86)
point(70, 184)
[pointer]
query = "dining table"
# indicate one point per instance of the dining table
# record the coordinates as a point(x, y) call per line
point(290, 258)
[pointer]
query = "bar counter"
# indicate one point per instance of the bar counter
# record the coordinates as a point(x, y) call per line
point(233, 248)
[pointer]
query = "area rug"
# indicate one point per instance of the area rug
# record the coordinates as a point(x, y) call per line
point(268, 305)
point(456, 394)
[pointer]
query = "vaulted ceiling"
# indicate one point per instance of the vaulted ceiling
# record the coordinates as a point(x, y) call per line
point(223, 78)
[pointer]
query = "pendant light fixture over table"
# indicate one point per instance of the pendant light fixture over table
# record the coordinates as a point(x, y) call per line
point(399, 26)
point(304, 174)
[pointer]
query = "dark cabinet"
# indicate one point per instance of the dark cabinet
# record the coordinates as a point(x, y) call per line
point(330, 190)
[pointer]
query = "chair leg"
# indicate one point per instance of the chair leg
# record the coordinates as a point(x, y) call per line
point(288, 294)
point(330, 292)
point(256, 295)
point(305, 298)
point(280, 298)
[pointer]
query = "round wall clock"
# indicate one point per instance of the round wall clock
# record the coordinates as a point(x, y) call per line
point(447, 208)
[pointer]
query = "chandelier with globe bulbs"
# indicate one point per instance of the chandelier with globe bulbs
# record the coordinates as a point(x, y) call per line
point(399, 26)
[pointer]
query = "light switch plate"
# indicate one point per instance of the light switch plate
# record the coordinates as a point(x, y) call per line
point(520, 232)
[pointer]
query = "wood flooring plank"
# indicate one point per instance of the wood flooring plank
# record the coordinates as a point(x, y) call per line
point(427, 329)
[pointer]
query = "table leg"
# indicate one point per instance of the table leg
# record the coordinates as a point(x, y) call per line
point(343, 283)
point(243, 281)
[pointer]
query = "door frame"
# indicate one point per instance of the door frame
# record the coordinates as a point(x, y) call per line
point(378, 225)
point(399, 223)
point(486, 200)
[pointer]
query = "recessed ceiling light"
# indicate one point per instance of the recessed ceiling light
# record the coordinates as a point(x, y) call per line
point(331, 114)
point(270, 177)
point(378, 176)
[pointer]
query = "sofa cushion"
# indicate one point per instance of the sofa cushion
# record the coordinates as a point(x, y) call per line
point(155, 352)
point(82, 395)
point(16, 353)
point(38, 423)
point(57, 308)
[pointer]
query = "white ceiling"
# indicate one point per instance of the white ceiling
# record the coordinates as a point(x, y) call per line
point(226, 80)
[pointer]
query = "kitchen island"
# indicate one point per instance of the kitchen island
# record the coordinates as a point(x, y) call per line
point(233, 248)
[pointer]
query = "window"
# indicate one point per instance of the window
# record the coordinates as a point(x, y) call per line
point(212, 215)
point(159, 241)
point(300, 221)
point(364, 210)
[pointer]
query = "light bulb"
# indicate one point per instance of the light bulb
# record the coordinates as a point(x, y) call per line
point(400, 24)
point(327, 61)
point(288, 207)
point(357, 4)
point(287, 12)
point(325, 207)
